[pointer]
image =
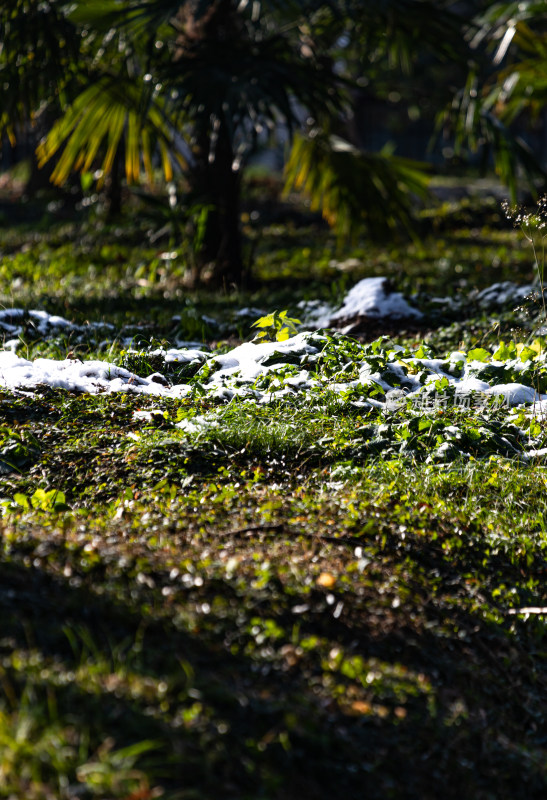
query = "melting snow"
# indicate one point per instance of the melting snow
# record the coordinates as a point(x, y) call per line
point(267, 370)
point(315, 314)
point(92, 377)
point(239, 373)
point(373, 297)
point(504, 293)
point(14, 320)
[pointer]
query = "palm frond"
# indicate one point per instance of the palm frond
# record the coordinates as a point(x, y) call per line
point(356, 191)
point(477, 123)
point(509, 82)
point(496, 26)
point(38, 53)
point(98, 119)
point(522, 85)
point(250, 88)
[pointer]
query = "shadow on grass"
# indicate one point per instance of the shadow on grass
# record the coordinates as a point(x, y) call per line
point(267, 692)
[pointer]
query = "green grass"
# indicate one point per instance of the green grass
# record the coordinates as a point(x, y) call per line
point(298, 632)
point(267, 607)
point(80, 268)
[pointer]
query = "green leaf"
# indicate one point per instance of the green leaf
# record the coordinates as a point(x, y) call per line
point(264, 322)
point(54, 500)
point(422, 352)
point(479, 354)
point(505, 352)
point(39, 499)
point(21, 500)
point(527, 353)
point(276, 326)
point(442, 383)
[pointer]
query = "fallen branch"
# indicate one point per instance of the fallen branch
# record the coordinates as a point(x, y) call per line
point(254, 529)
point(250, 529)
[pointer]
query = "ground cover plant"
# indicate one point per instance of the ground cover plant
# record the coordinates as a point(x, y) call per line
point(318, 570)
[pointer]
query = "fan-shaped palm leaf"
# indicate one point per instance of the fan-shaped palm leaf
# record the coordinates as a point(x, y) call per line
point(98, 118)
point(38, 53)
point(481, 115)
point(356, 190)
point(249, 88)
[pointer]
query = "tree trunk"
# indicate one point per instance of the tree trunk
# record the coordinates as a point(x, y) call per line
point(214, 184)
point(217, 188)
point(39, 180)
point(113, 186)
point(40, 186)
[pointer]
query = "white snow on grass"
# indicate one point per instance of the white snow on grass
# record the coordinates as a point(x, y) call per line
point(373, 297)
point(90, 377)
point(503, 294)
point(315, 314)
point(13, 322)
point(11, 319)
point(370, 297)
point(179, 356)
point(318, 369)
point(269, 371)
point(197, 424)
point(515, 394)
point(264, 372)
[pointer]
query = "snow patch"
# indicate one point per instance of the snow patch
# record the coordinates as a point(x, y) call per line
point(374, 298)
point(92, 377)
point(515, 394)
point(503, 294)
point(14, 321)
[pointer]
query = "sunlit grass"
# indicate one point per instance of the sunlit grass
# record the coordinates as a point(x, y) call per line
point(263, 604)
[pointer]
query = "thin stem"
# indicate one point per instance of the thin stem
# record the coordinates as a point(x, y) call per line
point(541, 276)
point(540, 272)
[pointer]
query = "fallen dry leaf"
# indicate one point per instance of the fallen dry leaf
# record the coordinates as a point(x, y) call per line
point(326, 580)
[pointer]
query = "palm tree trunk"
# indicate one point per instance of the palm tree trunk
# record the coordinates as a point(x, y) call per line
point(218, 187)
point(213, 181)
point(113, 186)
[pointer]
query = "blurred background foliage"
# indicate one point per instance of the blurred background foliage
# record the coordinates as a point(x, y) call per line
point(207, 116)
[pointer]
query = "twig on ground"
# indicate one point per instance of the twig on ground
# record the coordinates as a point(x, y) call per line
point(250, 529)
